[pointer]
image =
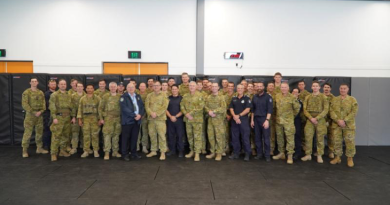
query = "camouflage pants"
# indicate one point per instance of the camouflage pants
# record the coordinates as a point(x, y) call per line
point(289, 131)
point(60, 133)
point(303, 120)
point(143, 136)
point(76, 135)
point(348, 135)
point(320, 130)
point(227, 134)
point(31, 122)
point(111, 130)
point(194, 134)
point(216, 135)
point(330, 138)
point(91, 131)
point(204, 133)
point(273, 134)
point(157, 128)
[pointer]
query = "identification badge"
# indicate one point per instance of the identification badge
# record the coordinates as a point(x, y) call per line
point(242, 101)
point(121, 99)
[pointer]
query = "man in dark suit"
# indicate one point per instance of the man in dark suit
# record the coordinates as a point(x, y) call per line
point(132, 109)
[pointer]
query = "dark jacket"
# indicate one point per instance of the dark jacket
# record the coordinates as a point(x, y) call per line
point(127, 109)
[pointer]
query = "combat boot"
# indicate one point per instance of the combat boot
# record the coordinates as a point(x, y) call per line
point(53, 157)
point(145, 150)
point(25, 153)
point(234, 156)
point(107, 156)
point(197, 158)
point(246, 158)
point(331, 155)
point(290, 159)
point(350, 162)
point(152, 154)
point(218, 157)
point(116, 154)
point(40, 150)
point(85, 154)
point(96, 154)
point(162, 156)
point(90, 152)
point(73, 151)
point(181, 154)
point(336, 160)
point(306, 158)
point(279, 156)
point(319, 159)
point(210, 156)
point(204, 151)
point(223, 154)
point(63, 153)
point(68, 148)
point(190, 155)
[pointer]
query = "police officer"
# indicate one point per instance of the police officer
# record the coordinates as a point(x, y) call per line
point(239, 109)
point(156, 106)
point(175, 123)
point(88, 119)
point(215, 107)
point(343, 112)
point(102, 89)
point(261, 115)
point(109, 112)
point(33, 102)
point(60, 108)
point(132, 109)
point(192, 106)
point(76, 134)
point(46, 115)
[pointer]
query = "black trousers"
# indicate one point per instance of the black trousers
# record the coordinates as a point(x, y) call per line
point(242, 129)
point(175, 135)
point(298, 136)
point(129, 139)
point(261, 135)
point(46, 138)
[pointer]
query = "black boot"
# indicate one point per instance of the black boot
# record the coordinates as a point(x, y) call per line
point(259, 156)
point(246, 157)
point(181, 154)
point(234, 156)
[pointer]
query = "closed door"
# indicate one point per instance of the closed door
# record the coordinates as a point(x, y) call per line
point(136, 68)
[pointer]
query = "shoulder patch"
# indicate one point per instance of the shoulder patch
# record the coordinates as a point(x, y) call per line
point(121, 99)
point(270, 100)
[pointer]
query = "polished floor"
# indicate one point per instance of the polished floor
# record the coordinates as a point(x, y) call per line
point(73, 180)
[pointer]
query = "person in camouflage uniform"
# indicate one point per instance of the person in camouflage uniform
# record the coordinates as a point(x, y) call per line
point(60, 109)
point(156, 106)
point(143, 135)
point(199, 88)
point(164, 89)
point(343, 112)
point(224, 89)
point(270, 91)
point(215, 108)
point(192, 106)
point(327, 88)
point(184, 86)
point(315, 108)
point(150, 85)
point(302, 96)
point(121, 88)
point(73, 87)
point(102, 89)
point(228, 99)
point(287, 107)
point(76, 134)
point(109, 114)
point(88, 118)
point(33, 102)
point(277, 82)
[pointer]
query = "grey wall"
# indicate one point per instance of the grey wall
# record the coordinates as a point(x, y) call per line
point(372, 122)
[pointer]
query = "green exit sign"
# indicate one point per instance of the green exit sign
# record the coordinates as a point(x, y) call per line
point(135, 54)
point(2, 52)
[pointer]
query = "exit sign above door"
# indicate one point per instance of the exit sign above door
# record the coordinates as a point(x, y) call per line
point(135, 54)
point(2, 52)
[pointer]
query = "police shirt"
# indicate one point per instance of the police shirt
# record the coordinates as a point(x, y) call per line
point(240, 104)
point(262, 105)
point(174, 105)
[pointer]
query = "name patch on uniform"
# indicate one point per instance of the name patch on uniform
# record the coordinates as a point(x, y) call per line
point(242, 101)
point(121, 99)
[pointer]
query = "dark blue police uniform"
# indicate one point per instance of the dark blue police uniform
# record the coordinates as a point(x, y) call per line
point(46, 122)
point(298, 133)
point(175, 129)
point(262, 105)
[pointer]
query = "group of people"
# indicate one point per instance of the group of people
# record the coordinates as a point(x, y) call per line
point(163, 118)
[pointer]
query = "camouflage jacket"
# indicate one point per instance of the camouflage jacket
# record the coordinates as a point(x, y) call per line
point(194, 105)
point(344, 110)
point(33, 101)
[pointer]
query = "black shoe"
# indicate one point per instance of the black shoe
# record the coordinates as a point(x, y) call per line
point(181, 154)
point(267, 159)
point(136, 157)
point(246, 157)
point(259, 156)
point(234, 156)
point(170, 153)
point(126, 158)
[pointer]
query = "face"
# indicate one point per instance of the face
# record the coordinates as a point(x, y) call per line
point(175, 90)
point(270, 87)
point(301, 86)
point(209, 84)
point(121, 88)
point(327, 89)
point(199, 86)
point(225, 83)
point(192, 87)
point(171, 82)
point(80, 88)
point(74, 84)
point(90, 90)
point(156, 87)
point(130, 88)
point(295, 92)
point(250, 87)
point(164, 87)
point(135, 84)
point(185, 78)
point(278, 78)
point(315, 87)
point(102, 85)
point(284, 88)
point(150, 83)
point(205, 82)
point(62, 85)
point(261, 87)
point(230, 87)
point(244, 83)
point(214, 88)
point(52, 85)
point(256, 87)
point(34, 83)
point(240, 89)
point(142, 87)
point(344, 90)
point(113, 88)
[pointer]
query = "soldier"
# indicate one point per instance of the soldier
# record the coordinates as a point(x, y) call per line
point(192, 106)
point(287, 107)
point(46, 115)
point(102, 89)
point(156, 106)
point(175, 123)
point(60, 108)
point(164, 89)
point(150, 85)
point(261, 115)
point(302, 95)
point(199, 86)
point(88, 119)
point(171, 82)
point(228, 98)
point(298, 125)
point(225, 84)
point(75, 126)
point(278, 82)
point(33, 102)
point(205, 83)
point(121, 88)
point(143, 135)
point(184, 86)
point(215, 108)
point(315, 108)
point(343, 112)
point(270, 91)
point(73, 87)
point(239, 109)
point(327, 88)
point(109, 114)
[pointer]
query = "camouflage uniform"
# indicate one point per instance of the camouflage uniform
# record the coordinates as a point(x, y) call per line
point(194, 105)
point(99, 93)
point(183, 89)
point(157, 103)
point(60, 108)
point(272, 124)
point(143, 135)
point(216, 126)
point(344, 110)
point(71, 92)
point(109, 111)
point(204, 124)
point(302, 97)
point(287, 107)
point(228, 100)
point(33, 102)
point(76, 134)
point(149, 90)
point(277, 90)
point(222, 92)
point(328, 124)
point(88, 112)
point(315, 106)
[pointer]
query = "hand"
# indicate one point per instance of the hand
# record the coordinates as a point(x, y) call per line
point(173, 118)
point(80, 122)
point(236, 117)
point(266, 124)
point(137, 117)
point(228, 117)
point(252, 124)
point(314, 121)
point(101, 122)
point(37, 114)
point(238, 121)
point(341, 123)
point(153, 114)
point(188, 115)
point(211, 113)
point(55, 121)
point(73, 120)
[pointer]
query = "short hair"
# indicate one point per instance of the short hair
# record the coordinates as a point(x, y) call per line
point(61, 80)
point(150, 78)
point(250, 83)
point(232, 83)
point(199, 81)
point(171, 78)
point(244, 80)
point(79, 84)
point(328, 84)
point(72, 80)
point(271, 82)
point(132, 79)
point(285, 83)
point(224, 79)
point(297, 89)
point(102, 80)
point(162, 82)
point(184, 73)
point(34, 78)
point(156, 81)
point(205, 78)
point(278, 73)
point(344, 84)
point(175, 85)
point(113, 83)
point(142, 83)
point(302, 81)
point(90, 85)
point(51, 81)
point(261, 83)
point(315, 81)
